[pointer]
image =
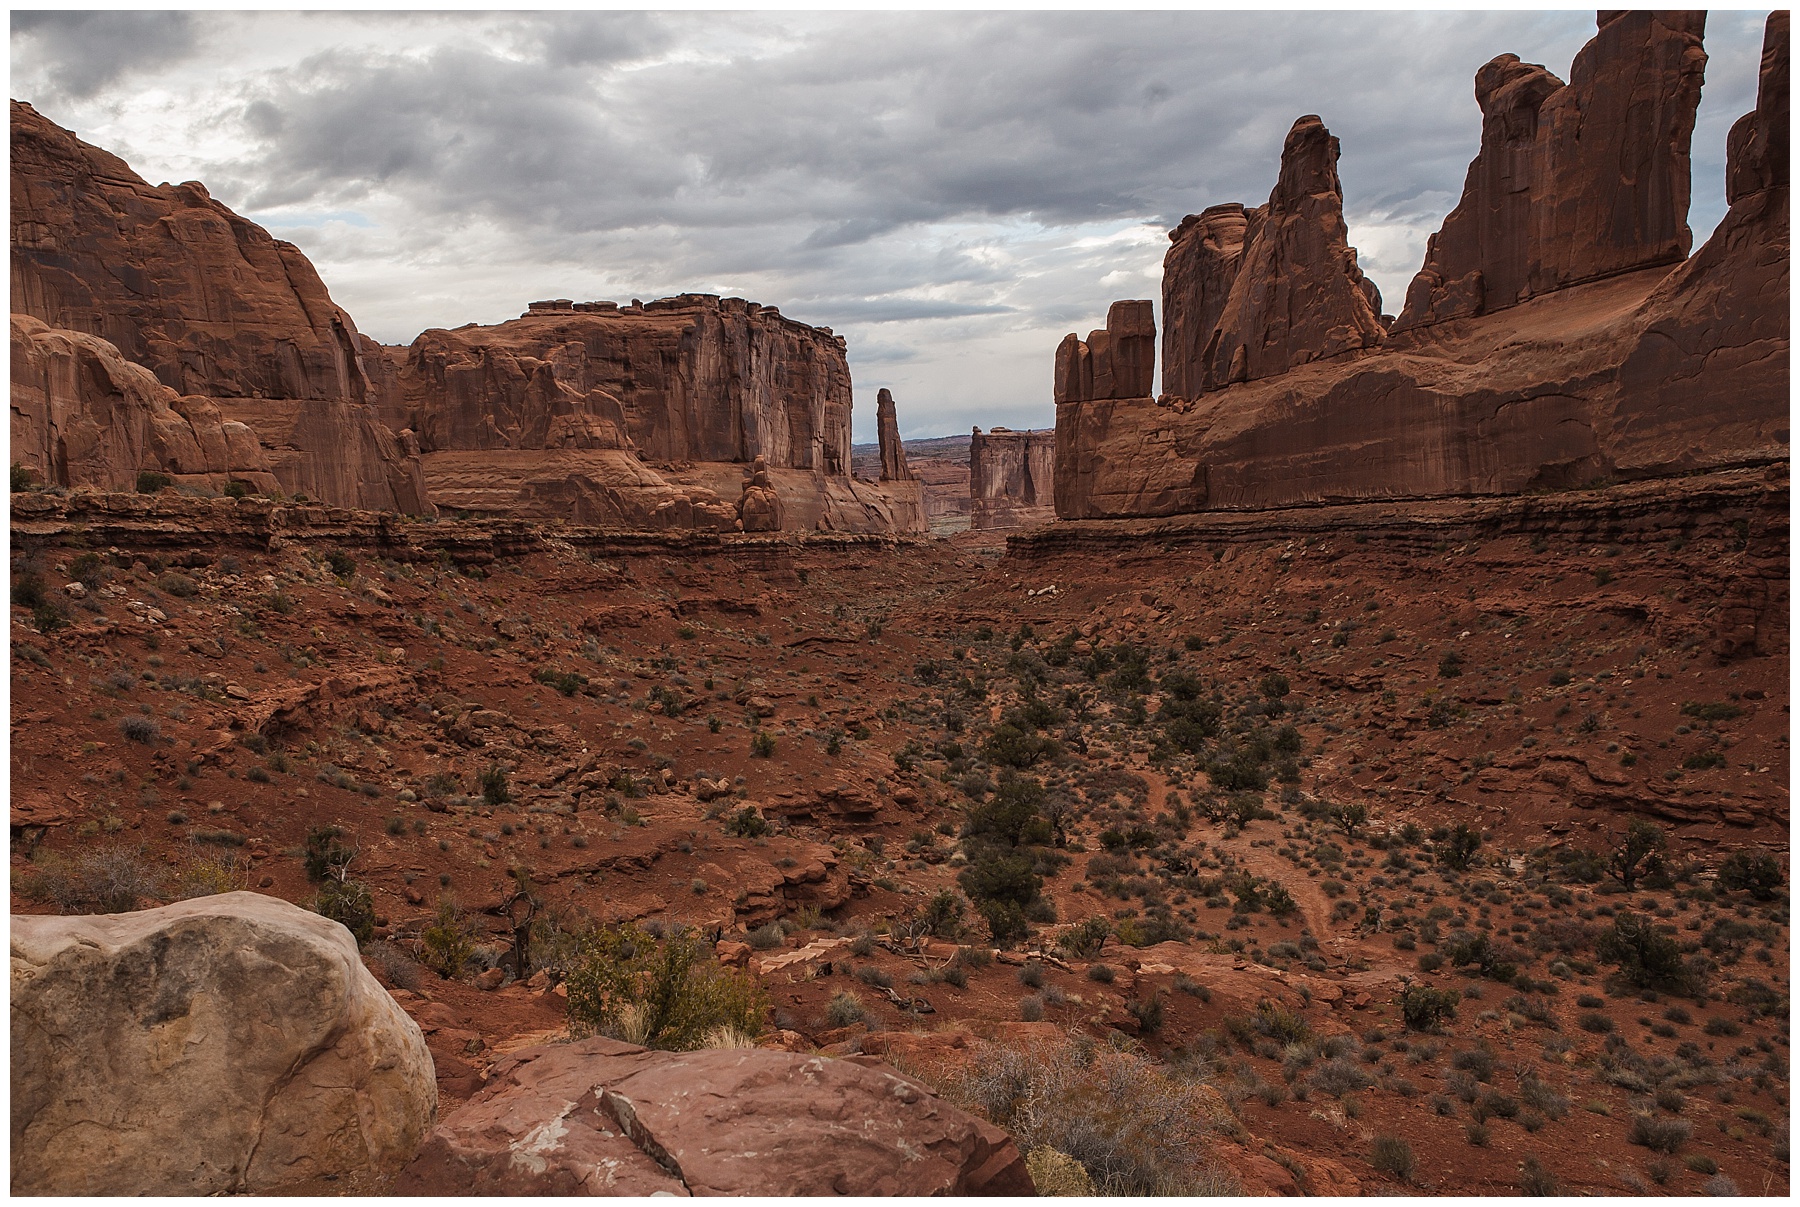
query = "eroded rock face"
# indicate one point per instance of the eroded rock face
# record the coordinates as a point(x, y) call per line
point(893, 452)
point(1119, 362)
point(209, 302)
point(1298, 295)
point(229, 1044)
point(1012, 478)
point(759, 507)
point(1198, 272)
point(599, 1117)
point(1628, 374)
point(1573, 182)
point(83, 415)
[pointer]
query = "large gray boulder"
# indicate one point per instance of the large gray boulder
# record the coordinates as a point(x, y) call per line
point(225, 1044)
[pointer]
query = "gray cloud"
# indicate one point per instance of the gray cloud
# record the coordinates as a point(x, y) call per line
point(87, 51)
point(952, 189)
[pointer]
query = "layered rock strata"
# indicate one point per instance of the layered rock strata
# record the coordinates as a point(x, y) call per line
point(1635, 373)
point(228, 1044)
point(1573, 182)
point(1012, 478)
point(642, 416)
point(209, 303)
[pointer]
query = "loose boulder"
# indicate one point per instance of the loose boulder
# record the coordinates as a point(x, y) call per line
point(228, 1044)
point(600, 1117)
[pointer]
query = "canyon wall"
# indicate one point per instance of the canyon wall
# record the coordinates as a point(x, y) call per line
point(1555, 338)
point(652, 414)
point(210, 304)
point(1012, 477)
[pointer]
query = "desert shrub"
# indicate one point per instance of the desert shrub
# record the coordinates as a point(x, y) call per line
point(1659, 1135)
point(105, 880)
point(1085, 938)
point(1425, 1008)
point(341, 563)
point(1010, 746)
point(1535, 1181)
point(446, 945)
point(1057, 1174)
point(1647, 956)
point(1637, 853)
point(178, 585)
point(669, 994)
point(844, 1009)
point(1393, 1156)
point(762, 744)
point(1134, 1126)
point(324, 857)
point(942, 916)
point(348, 903)
point(1338, 1077)
point(392, 965)
point(1458, 850)
point(150, 481)
point(494, 787)
point(1758, 873)
point(139, 729)
point(748, 823)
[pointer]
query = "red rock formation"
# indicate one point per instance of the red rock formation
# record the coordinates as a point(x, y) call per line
point(1573, 182)
point(1012, 478)
point(1119, 362)
point(84, 416)
point(599, 1117)
point(1198, 272)
point(1298, 295)
point(1639, 374)
point(759, 507)
point(560, 407)
point(1615, 186)
point(208, 302)
point(887, 432)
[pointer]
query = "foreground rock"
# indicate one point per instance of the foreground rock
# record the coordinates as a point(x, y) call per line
point(605, 1118)
point(229, 1044)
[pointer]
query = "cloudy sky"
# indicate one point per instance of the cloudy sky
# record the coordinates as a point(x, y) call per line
point(951, 191)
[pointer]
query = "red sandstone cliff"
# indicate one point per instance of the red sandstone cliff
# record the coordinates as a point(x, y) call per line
point(1622, 374)
point(1118, 362)
point(206, 301)
point(643, 416)
point(1198, 272)
point(1012, 477)
point(1573, 182)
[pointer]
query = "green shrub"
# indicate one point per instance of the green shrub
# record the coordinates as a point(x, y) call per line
point(324, 856)
point(446, 945)
point(1659, 1135)
point(494, 787)
point(1758, 873)
point(23, 477)
point(748, 823)
point(670, 994)
point(348, 902)
point(1719, 710)
point(1458, 850)
point(341, 563)
point(1085, 939)
point(762, 744)
point(1648, 957)
point(844, 1009)
point(150, 481)
point(1425, 1008)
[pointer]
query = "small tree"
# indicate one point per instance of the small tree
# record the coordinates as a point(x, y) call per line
point(494, 788)
point(1458, 851)
point(1350, 818)
point(1637, 853)
point(1647, 956)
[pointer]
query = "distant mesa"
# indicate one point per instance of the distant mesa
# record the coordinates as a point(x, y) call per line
point(1012, 478)
point(1559, 334)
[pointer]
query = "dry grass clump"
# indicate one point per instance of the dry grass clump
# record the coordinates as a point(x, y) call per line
point(1135, 1126)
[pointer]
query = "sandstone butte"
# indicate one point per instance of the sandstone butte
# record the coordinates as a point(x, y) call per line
point(1012, 478)
point(1558, 335)
point(250, 372)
